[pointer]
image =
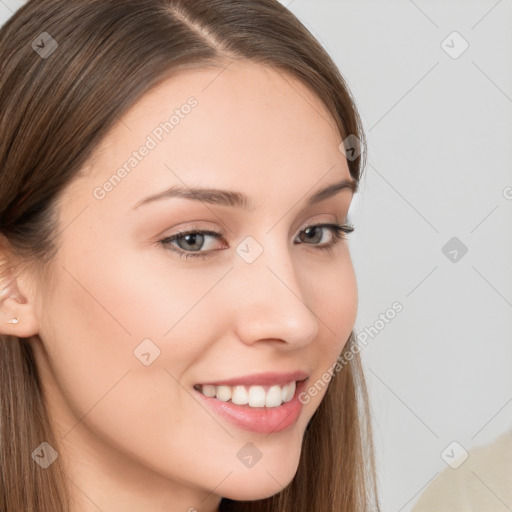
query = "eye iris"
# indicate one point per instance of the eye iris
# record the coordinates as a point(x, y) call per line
point(193, 236)
point(314, 230)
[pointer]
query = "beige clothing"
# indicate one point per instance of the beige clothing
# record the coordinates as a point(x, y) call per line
point(483, 483)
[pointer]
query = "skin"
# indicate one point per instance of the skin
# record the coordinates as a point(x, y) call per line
point(135, 437)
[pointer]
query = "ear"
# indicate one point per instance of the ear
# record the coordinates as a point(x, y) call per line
point(15, 298)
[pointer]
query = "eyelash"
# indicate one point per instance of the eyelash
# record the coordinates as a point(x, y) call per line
point(339, 232)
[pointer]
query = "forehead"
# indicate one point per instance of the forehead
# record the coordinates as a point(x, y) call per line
point(244, 126)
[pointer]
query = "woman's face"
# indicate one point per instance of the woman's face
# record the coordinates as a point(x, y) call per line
point(129, 327)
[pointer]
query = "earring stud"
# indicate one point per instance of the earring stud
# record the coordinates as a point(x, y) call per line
point(13, 321)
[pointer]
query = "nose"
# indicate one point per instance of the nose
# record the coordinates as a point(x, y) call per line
point(271, 301)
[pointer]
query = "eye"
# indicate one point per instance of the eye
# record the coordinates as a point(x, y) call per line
point(338, 232)
point(189, 244)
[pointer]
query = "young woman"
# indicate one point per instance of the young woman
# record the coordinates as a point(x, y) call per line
point(177, 294)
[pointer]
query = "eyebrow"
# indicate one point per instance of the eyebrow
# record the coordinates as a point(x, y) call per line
point(237, 199)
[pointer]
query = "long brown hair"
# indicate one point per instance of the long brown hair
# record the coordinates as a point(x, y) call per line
point(57, 103)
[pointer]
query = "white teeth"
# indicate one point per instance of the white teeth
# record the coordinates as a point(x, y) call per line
point(209, 390)
point(239, 395)
point(254, 396)
point(274, 397)
point(284, 392)
point(223, 393)
point(290, 391)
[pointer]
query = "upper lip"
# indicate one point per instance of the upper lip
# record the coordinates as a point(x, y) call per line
point(261, 379)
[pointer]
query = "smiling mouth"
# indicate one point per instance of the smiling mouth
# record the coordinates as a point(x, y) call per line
point(257, 396)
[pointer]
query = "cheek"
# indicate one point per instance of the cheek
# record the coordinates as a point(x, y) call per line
point(335, 297)
point(338, 297)
point(335, 302)
point(109, 316)
point(99, 314)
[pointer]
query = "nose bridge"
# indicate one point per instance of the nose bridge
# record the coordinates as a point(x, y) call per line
point(271, 304)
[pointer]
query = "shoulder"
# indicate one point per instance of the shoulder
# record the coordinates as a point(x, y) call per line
point(480, 484)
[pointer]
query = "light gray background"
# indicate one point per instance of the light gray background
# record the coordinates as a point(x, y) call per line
point(440, 160)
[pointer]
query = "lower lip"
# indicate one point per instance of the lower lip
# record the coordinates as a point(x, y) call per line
point(261, 420)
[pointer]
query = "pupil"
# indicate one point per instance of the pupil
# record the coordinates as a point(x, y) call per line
point(187, 239)
point(312, 231)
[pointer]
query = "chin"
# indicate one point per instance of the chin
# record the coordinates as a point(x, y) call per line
point(258, 483)
point(249, 490)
